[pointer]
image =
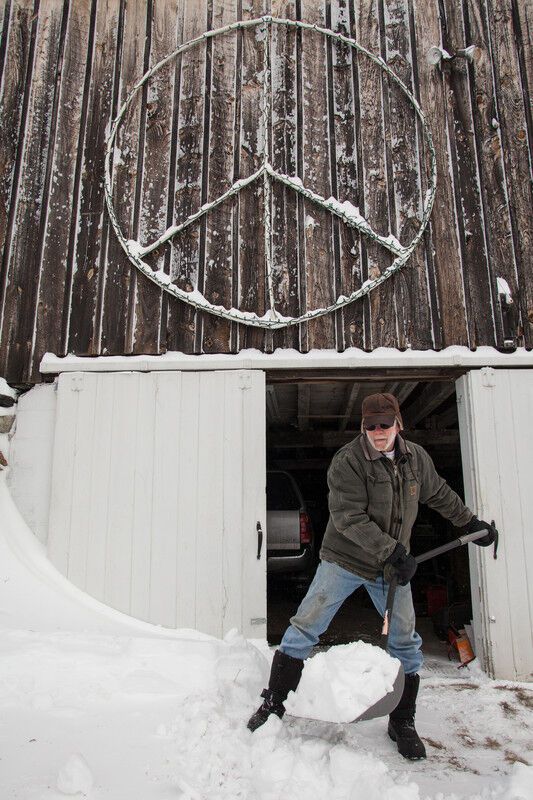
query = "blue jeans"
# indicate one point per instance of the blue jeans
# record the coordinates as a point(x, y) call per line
point(328, 591)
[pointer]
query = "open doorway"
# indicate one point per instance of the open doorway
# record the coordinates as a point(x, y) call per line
point(309, 417)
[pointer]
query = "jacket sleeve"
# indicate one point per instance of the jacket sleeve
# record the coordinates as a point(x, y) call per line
point(348, 505)
point(435, 493)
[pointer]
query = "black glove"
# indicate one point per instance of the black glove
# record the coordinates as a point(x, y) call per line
point(476, 524)
point(400, 565)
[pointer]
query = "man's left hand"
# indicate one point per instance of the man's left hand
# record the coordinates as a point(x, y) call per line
point(476, 524)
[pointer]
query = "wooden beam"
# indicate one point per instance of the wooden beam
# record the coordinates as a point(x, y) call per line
point(272, 407)
point(430, 399)
point(405, 391)
point(368, 375)
point(304, 406)
point(352, 395)
point(447, 418)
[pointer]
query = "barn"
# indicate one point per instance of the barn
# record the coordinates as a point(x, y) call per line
point(224, 223)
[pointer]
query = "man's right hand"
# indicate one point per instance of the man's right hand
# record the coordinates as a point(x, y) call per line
point(400, 565)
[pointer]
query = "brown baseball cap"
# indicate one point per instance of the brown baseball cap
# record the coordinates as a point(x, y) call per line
point(381, 408)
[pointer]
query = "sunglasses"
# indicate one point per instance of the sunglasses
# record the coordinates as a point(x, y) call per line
point(383, 425)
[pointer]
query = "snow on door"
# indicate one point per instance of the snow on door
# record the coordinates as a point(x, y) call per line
point(158, 488)
point(497, 445)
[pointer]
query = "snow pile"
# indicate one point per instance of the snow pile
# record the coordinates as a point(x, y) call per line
point(75, 777)
point(114, 717)
point(340, 684)
point(274, 763)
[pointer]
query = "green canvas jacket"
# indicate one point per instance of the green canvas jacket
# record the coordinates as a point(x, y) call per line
point(373, 503)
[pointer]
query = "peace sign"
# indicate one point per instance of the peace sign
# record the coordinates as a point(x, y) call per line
point(347, 212)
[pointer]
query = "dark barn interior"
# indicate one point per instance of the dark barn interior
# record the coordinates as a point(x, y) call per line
point(309, 418)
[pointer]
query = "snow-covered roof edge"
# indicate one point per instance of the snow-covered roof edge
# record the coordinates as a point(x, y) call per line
point(381, 357)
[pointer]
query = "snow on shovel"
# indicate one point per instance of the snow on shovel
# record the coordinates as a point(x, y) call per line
point(357, 681)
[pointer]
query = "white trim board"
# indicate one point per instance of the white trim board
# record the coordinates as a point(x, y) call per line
point(352, 358)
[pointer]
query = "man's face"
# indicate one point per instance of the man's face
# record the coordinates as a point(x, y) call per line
point(381, 439)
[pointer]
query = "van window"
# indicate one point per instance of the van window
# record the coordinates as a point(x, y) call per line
point(281, 495)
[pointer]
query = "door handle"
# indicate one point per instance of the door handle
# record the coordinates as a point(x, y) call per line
point(259, 540)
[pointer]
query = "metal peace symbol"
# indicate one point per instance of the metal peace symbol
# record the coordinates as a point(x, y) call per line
point(345, 211)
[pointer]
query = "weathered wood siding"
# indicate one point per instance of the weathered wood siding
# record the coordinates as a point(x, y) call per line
point(337, 122)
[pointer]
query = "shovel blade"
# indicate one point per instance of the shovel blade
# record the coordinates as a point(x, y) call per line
point(386, 704)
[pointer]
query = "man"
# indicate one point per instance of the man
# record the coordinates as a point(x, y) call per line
point(375, 485)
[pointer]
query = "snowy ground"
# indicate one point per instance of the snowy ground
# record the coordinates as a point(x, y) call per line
point(98, 704)
point(128, 717)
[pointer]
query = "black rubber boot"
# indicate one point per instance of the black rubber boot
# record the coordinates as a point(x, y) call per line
point(402, 722)
point(284, 677)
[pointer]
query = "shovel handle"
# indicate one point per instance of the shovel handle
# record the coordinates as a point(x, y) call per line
point(384, 639)
point(468, 537)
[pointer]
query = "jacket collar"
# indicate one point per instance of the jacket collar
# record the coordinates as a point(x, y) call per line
point(371, 454)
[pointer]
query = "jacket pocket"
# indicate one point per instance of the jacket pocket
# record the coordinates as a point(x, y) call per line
point(411, 490)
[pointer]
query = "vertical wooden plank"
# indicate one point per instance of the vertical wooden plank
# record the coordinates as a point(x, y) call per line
point(14, 93)
point(185, 258)
point(434, 100)
point(345, 168)
point(284, 160)
point(5, 16)
point(411, 283)
point(120, 497)
point(516, 155)
point(382, 327)
point(81, 322)
point(188, 494)
point(319, 257)
point(469, 213)
point(523, 25)
point(218, 269)
point(496, 217)
point(251, 245)
point(159, 153)
point(83, 435)
point(120, 274)
point(22, 269)
point(165, 482)
point(62, 212)
point(59, 526)
point(232, 488)
point(102, 472)
point(141, 533)
point(512, 399)
point(210, 510)
point(359, 330)
point(253, 416)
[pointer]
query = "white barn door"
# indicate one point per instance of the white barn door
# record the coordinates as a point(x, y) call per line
point(496, 446)
point(158, 487)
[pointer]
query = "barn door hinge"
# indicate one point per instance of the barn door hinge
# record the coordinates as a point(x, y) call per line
point(258, 621)
point(76, 383)
point(488, 377)
point(245, 381)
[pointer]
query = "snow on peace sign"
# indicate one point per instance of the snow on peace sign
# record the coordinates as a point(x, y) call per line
point(345, 211)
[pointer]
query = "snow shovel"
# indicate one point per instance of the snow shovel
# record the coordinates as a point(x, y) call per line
point(389, 701)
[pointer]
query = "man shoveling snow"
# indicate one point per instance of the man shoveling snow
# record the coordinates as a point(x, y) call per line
point(375, 485)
